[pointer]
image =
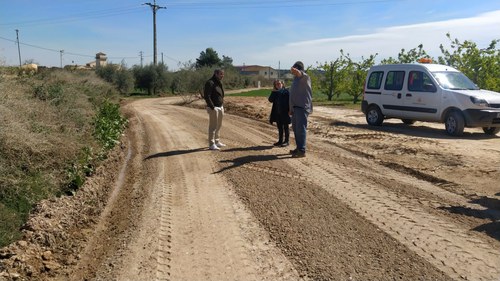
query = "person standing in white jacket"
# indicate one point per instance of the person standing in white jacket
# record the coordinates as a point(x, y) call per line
point(214, 97)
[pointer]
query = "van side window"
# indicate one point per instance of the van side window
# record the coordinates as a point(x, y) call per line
point(394, 80)
point(419, 81)
point(375, 80)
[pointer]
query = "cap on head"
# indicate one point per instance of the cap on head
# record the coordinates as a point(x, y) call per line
point(299, 65)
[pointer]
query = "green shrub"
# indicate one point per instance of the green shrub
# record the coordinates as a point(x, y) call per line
point(109, 125)
point(83, 167)
point(154, 79)
point(118, 75)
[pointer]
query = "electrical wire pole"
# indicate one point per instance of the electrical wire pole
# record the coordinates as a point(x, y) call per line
point(155, 8)
point(18, 48)
point(61, 55)
point(279, 69)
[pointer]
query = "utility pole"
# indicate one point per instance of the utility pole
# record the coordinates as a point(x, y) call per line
point(279, 69)
point(61, 54)
point(155, 8)
point(18, 48)
point(140, 54)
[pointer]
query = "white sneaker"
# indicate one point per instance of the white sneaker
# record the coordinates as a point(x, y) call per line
point(213, 147)
point(220, 144)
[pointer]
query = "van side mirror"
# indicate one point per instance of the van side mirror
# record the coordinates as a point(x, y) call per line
point(430, 88)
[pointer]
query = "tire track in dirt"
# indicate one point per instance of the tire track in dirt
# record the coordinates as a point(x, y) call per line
point(442, 196)
point(249, 153)
point(455, 250)
point(190, 246)
point(451, 248)
point(107, 248)
point(203, 231)
point(462, 261)
point(141, 252)
point(163, 250)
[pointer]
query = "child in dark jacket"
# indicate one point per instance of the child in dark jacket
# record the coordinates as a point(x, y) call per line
point(279, 112)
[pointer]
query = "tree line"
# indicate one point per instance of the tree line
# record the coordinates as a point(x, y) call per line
point(345, 75)
point(189, 79)
point(341, 76)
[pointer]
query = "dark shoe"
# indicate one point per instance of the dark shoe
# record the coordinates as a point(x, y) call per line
point(293, 151)
point(299, 154)
point(277, 143)
point(285, 144)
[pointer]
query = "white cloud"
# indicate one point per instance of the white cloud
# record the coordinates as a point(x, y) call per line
point(387, 42)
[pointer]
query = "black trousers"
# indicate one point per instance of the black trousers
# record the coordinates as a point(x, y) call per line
point(283, 129)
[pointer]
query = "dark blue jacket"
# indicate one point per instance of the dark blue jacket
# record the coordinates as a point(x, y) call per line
point(213, 92)
point(279, 111)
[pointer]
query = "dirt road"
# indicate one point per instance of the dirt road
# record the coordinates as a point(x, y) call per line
point(348, 210)
point(396, 203)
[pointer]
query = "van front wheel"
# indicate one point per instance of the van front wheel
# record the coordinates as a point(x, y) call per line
point(374, 116)
point(454, 123)
point(491, 130)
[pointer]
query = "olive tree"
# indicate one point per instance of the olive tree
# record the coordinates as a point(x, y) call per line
point(481, 65)
point(411, 56)
point(357, 71)
point(332, 76)
point(152, 78)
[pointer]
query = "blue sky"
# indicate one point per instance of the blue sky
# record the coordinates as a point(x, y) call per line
point(265, 32)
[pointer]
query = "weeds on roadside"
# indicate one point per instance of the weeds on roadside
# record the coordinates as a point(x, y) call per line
point(109, 125)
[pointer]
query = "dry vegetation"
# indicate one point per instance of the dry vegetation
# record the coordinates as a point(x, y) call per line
point(45, 133)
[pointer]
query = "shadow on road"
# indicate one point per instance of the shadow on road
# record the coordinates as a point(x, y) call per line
point(492, 229)
point(250, 148)
point(416, 130)
point(236, 162)
point(186, 151)
point(492, 213)
point(174, 152)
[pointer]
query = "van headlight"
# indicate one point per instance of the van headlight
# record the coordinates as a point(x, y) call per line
point(478, 101)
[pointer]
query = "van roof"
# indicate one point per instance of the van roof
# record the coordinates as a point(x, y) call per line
point(432, 67)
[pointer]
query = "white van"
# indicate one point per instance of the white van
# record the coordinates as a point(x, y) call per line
point(429, 92)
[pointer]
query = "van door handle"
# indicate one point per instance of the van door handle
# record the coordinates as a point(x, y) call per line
point(399, 95)
point(408, 95)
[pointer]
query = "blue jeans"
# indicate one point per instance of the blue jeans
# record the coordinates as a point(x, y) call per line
point(299, 126)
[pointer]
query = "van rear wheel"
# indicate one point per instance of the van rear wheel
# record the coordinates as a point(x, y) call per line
point(454, 123)
point(374, 116)
point(491, 130)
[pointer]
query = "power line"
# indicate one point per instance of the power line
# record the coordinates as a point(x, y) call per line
point(141, 55)
point(68, 53)
point(77, 17)
point(268, 4)
point(181, 5)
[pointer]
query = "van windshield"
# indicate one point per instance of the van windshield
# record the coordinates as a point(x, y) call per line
point(454, 81)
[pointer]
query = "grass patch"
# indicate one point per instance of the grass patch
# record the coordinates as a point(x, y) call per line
point(254, 93)
point(319, 99)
